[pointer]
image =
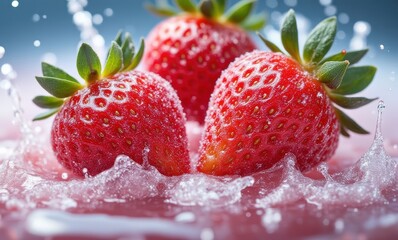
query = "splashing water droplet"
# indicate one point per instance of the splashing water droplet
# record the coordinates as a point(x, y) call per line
point(108, 12)
point(380, 108)
point(15, 3)
point(290, 3)
point(325, 2)
point(50, 58)
point(381, 47)
point(330, 10)
point(359, 40)
point(6, 69)
point(64, 176)
point(37, 43)
point(36, 17)
point(344, 18)
point(271, 219)
point(207, 234)
point(98, 19)
point(271, 3)
point(2, 52)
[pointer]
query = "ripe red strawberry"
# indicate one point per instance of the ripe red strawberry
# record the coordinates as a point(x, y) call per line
point(120, 111)
point(267, 104)
point(190, 50)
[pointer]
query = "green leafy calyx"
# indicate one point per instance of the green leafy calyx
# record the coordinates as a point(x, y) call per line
point(239, 13)
point(60, 85)
point(336, 72)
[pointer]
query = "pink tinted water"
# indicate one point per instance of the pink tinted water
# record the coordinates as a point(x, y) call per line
point(39, 199)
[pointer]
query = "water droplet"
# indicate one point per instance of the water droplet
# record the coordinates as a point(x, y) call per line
point(64, 176)
point(98, 19)
point(290, 3)
point(340, 34)
point(6, 69)
point(82, 19)
point(2, 51)
point(207, 234)
point(362, 28)
point(108, 12)
point(271, 219)
point(5, 84)
point(185, 217)
point(36, 17)
point(271, 3)
point(339, 225)
point(44, 16)
point(50, 58)
point(325, 2)
point(330, 10)
point(381, 47)
point(36, 43)
point(343, 18)
point(15, 3)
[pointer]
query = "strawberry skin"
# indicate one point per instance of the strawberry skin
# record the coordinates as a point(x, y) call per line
point(191, 52)
point(264, 106)
point(129, 113)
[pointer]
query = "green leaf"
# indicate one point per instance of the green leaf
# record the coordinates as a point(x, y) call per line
point(269, 44)
point(349, 123)
point(163, 10)
point(290, 36)
point(240, 11)
point(186, 5)
point(45, 115)
point(137, 58)
point(343, 131)
point(207, 8)
point(48, 101)
point(353, 56)
point(331, 73)
point(128, 51)
point(118, 38)
point(88, 63)
point(52, 71)
point(114, 60)
point(219, 6)
point(356, 79)
point(320, 40)
point(350, 102)
point(58, 87)
point(254, 22)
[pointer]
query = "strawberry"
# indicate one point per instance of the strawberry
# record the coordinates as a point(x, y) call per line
point(191, 49)
point(119, 111)
point(268, 104)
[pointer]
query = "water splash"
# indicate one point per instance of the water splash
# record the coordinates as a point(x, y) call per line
point(362, 184)
point(84, 22)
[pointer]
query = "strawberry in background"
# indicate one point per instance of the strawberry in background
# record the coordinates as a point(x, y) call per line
point(268, 104)
point(192, 47)
point(118, 110)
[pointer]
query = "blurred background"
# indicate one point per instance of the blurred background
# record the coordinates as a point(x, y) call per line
point(51, 30)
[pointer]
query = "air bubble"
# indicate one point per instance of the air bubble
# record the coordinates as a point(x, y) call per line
point(381, 47)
